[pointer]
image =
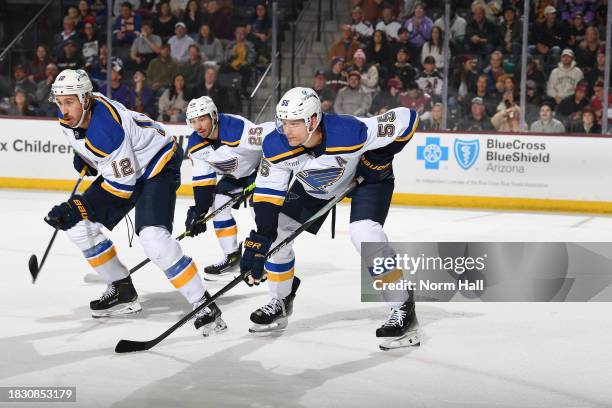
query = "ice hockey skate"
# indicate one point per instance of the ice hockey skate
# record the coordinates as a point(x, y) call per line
point(208, 320)
point(223, 270)
point(120, 298)
point(401, 328)
point(274, 316)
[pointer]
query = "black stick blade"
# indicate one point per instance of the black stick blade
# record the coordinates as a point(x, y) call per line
point(129, 346)
point(33, 265)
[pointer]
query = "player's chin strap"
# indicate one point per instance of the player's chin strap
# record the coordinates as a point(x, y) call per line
point(85, 109)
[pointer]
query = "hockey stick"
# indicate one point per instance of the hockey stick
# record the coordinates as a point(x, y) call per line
point(127, 346)
point(248, 190)
point(33, 262)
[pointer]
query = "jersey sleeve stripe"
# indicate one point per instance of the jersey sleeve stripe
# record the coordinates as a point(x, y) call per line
point(120, 186)
point(233, 144)
point(344, 149)
point(159, 161)
point(269, 191)
point(115, 191)
point(94, 150)
point(152, 125)
point(212, 175)
point(111, 108)
point(263, 198)
point(410, 130)
point(199, 146)
point(286, 155)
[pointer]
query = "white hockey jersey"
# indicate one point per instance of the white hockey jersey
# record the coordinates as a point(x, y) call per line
point(124, 146)
point(236, 152)
point(327, 169)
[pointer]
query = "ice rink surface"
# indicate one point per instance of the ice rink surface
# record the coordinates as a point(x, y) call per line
point(472, 354)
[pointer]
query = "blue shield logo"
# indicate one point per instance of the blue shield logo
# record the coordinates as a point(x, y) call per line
point(466, 152)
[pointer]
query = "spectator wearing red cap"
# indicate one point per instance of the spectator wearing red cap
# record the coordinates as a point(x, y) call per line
point(587, 123)
point(563, 79)
point(388, 98)
point(571, 106)
point(325, 93)
point(126, 26)
point(369, 72)
point(353, 99)
point(345, 47)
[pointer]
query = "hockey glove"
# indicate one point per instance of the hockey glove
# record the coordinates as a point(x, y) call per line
point(79, 163)
point(256, 248)
point(192, 225)
point(374, 172)
point(68, 214)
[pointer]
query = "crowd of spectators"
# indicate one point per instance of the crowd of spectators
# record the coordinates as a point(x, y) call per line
point(164, 53)
point(391, 54)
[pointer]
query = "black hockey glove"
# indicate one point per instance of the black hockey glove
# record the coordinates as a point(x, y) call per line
point(68, 214)
point(192, 225)
point(256, 248)
point(374, 172)
point(79, 163)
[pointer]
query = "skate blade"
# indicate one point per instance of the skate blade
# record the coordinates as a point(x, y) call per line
point(219, 277)
point(118, 311)
point(410, 339)
point(216, 327)
point(278, 325)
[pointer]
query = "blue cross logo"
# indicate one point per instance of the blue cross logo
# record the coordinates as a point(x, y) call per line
point(432, 153)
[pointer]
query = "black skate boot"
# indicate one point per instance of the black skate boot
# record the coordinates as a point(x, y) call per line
point(274, 315)
point(120, 298)
point(229, 262)
point(400, 329)
point(208, 319)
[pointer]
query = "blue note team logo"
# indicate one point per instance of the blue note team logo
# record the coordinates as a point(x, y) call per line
point(432, 153)
point(466, 152)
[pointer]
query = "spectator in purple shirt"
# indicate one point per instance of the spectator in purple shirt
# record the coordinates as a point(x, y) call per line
point(419, 27)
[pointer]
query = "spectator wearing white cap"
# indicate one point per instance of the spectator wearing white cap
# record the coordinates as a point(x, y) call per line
point(563, 79)
point(369, 73)
point(180, 42)
point(551, 37)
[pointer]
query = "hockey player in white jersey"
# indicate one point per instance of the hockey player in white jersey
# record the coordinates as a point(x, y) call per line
point(324, 153)
point(139, 167)
point(221, 145)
